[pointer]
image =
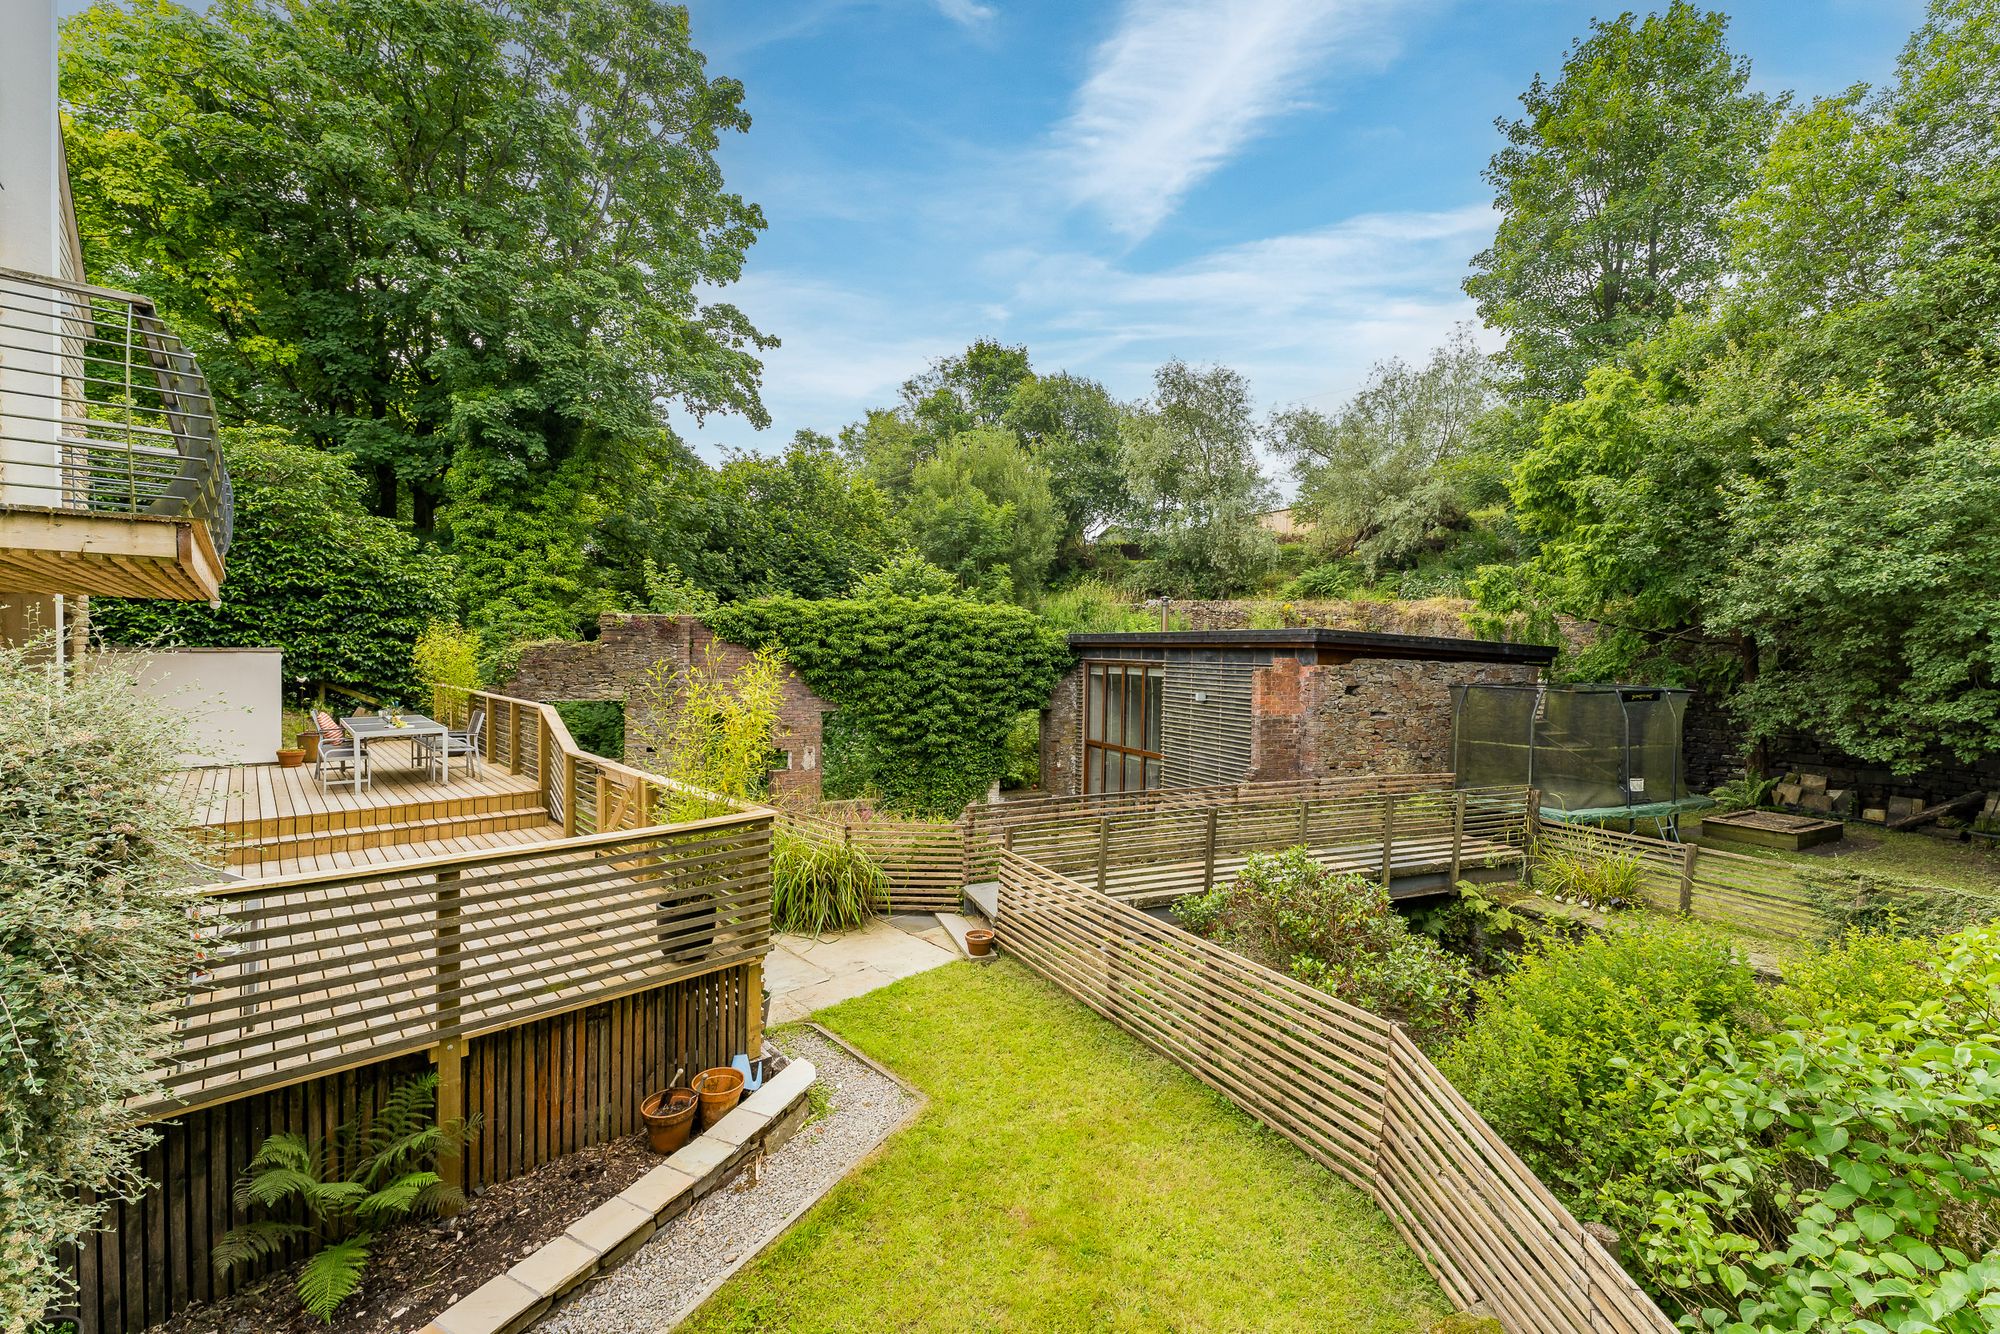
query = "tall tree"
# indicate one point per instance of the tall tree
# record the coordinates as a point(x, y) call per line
point(1190, 455)
point(970, 389)
point(465, 243)
point(1400, 467)
point(982, 510)
point(1070, 425)
point(1613, 190)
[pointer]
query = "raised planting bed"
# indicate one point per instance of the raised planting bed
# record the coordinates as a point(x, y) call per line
point(1771, 829)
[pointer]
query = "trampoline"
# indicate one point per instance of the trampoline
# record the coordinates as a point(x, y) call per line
point(1598, 754)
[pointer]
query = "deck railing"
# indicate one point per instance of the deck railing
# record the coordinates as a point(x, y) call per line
point(1346, 1086)
point(102, 408)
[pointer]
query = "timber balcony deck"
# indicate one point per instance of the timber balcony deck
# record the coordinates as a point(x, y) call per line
point(265, 820)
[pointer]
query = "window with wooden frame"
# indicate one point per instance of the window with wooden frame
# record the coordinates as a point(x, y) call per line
point(1121, 725)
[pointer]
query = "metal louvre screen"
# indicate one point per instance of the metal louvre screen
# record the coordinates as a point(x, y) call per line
point(1207, 739)
point(1584, 747)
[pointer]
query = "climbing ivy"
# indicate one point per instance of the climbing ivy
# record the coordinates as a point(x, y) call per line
point(930, 685)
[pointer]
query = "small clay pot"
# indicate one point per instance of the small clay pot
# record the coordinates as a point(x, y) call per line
point(308, 740)
point(669, 1118)
point(979, 942)
point(720, 1090)
point(291, 759)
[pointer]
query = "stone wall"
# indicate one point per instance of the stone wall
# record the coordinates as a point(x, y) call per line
point(1445, 618)
point(1062, 736)
point(616, 664)
point(1713, 747)
point(1390, 715)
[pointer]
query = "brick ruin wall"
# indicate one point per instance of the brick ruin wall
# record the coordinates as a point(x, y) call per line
point(615, 665)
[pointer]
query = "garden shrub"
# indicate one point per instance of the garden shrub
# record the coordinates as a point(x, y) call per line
point(1594, 879)
point(1860, 978)
point(345, 594)
point(596, 725)
point(818, 887)
point(1023, 762)
point(446, 654)
point(710, 730)
point(92, 937)
point(1563, 1052)
point(1327, 582)
point(1840, 1176)
point(1092, 606)
point(929, 685)
point(1335, 931)
point(373, 1172)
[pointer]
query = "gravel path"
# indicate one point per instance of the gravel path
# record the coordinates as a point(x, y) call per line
point(666, 1277)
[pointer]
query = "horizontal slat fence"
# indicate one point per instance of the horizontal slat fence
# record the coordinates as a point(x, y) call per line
point(1732, 889)
point(541, 1089)
point(1346, 1087)
point(923, 860)
point(309, 973)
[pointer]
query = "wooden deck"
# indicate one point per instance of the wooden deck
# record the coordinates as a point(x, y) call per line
point(265, 820)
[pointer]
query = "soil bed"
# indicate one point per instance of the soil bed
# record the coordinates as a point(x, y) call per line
point(418, 1269)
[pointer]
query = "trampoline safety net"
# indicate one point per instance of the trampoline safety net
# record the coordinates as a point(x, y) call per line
point(1587, 747)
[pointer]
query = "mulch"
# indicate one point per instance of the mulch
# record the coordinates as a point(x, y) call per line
point(418, 1269)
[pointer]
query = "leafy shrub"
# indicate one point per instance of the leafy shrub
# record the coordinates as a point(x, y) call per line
point(930, 685)
point(446, 654)
point(1024, 751)
point(1092, 606)
point(1471, 924)
point(92, 937)
point(907, 575)
point(818, 887)
point(1335, 931)
point(1563, 1052)
point(1324, 583)
point(1743, 793)
point(596, 725)
point(374, 1172)
point(1859, 978)
point(1595, 879)
point(304, 545)
point(710, 731)
point(1840, 1176)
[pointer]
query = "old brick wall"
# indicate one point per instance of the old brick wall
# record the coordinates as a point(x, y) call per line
point(1062, 736)
point(1277, 719)
point(616, 664)
point(1387, 715)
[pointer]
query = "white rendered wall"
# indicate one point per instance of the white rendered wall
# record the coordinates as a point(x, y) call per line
point(229, 700)
point(34, 237)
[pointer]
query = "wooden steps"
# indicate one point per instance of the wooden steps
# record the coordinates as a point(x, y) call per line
point(388, 826)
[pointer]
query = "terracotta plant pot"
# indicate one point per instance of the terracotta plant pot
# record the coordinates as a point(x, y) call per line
point(720, 1090)
point(309, 743)
point(978, 942)
point(291, 759)
point(669, 1118)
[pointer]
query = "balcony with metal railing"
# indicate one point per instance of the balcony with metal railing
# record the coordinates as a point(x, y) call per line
point(110, 478)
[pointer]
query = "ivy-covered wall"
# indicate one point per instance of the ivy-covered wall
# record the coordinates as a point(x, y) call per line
point(930, 685)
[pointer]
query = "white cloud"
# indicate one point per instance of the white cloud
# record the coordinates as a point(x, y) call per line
point(968, 12)
point(1181, 85)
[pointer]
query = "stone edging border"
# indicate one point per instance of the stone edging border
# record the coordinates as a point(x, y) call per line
point(919, 1102)
point(515, 1300)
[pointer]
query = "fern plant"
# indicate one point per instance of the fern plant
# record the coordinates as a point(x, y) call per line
point(373, 1173)
point(1743, 793)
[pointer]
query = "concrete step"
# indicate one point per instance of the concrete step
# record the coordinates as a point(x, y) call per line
point(956, 927)
point(984, 898)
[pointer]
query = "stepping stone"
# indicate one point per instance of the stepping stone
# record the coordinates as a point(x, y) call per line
point(956, 927)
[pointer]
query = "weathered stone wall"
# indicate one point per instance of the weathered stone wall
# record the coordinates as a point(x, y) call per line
point(616, 664)
point(1062, 736)
point(1387, 715)
point(1713, 748)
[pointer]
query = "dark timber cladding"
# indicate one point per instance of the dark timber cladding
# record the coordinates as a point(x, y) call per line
point(1180, 708)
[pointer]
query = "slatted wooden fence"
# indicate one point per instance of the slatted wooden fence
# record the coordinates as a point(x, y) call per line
point(923, 860)
point(1346, 1087)
point(1762, 894)
point(307, 974)
point(541, 1089)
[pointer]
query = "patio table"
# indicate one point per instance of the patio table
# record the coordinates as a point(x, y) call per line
point(415, 728)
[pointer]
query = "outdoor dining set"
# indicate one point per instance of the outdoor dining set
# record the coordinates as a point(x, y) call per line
point(347, 745)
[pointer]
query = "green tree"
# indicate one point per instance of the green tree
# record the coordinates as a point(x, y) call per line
point(982, 510)
point(345, 594)
point(464, 243)
point(1613, 190)
point(973, 388)
point(1190, 456)
point(1070, 425)
point(804, 521)
point(1402, 466)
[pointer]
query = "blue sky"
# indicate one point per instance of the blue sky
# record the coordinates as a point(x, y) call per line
point(1291, 187)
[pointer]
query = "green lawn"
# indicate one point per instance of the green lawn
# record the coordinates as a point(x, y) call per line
point(1064, 1178)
